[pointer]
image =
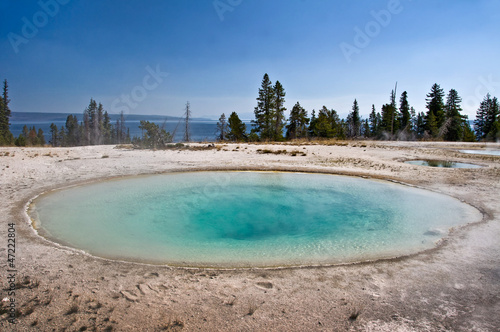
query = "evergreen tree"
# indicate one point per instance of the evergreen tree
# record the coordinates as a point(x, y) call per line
point(431, 125)
point(435, 106)
point(62, 137)
point(468, 133)
point(41, 137)
point(222, 128)
point(323, 126)
point(54, 134)
point(107, 129)
point(20, 140)
point(6, 137)
point(279, 110)
point(486, 121)
point(455, 122)
point(404, 112)
point(354, 121)
point(121, 130)
point(72, 131)
point(237, 129)
point(98, 125)
point(25, 132)
point(312, 125)
point(365, 132)
point(264, 111)
point(387, 125)
point(341, 130)
point(153, 136)
point(493, 120)
point(374, 124)
point(413, 120)
point(32, 137)
point(420, 125)
point(298, 121)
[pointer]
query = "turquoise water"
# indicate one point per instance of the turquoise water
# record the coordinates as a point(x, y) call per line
point(241, 219)
point(441, 163)
point(485, 152)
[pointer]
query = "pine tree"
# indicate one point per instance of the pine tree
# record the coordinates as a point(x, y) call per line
point(121, 130)
point(420, 125)
point(54, 134)
point(107, 129)
point(264, 111)
point(354, 121)
point(298, 121)
point(468, 133)
point(6, 137)
point(312, 125)
point(279, 111)
point(72, 131)
point(98, 125)
point(486, 121)
point(435, 105)
point(455, 122)
point(366, 129)
point(387, 115)
point(41, 137)
point(237, 129)
point(323, 123)
point(25, 132)
point(153, 136)
point(32, 137)
point(431, 125)
point(374, 124)
point(222, 128)
point(404, 111)
point(493, 120)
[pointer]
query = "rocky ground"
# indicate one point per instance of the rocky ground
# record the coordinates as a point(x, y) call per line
point(455, 287)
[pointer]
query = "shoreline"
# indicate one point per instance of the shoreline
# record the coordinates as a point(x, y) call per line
point(455, 286)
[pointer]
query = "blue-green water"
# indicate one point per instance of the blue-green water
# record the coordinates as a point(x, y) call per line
point(240, 219)
point(441, 163)
point(490, 152)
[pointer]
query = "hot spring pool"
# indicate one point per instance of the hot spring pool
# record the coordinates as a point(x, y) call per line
point(247, 219)
point(441, 163)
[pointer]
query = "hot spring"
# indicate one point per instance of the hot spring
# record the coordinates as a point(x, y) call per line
point(247, 219)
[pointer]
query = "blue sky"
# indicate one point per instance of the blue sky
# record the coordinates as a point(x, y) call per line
point(151, 56)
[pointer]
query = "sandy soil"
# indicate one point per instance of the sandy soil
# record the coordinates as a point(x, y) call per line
point(455, 287)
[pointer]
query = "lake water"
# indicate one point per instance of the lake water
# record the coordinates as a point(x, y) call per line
point(200, 129)
point(247, 219)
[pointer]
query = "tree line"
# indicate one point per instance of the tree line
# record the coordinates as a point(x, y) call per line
point(395, 121)
point(95, 129)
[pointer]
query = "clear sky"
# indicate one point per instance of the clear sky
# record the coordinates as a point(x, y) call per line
point(151, 56)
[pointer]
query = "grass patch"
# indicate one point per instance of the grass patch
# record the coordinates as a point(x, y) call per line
point(278, 152)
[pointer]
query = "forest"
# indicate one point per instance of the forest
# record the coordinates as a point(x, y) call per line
point(396, 120)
